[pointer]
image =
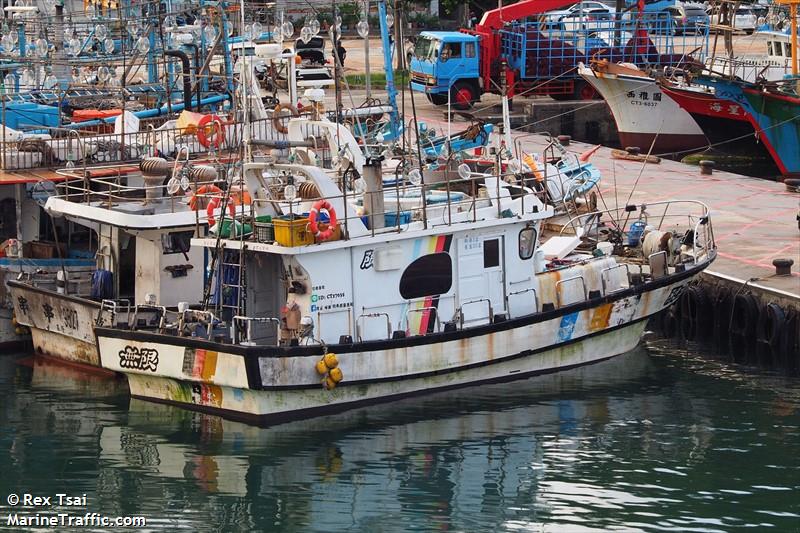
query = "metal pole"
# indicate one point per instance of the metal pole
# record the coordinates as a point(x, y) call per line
point(368, 81)
point(793, 14)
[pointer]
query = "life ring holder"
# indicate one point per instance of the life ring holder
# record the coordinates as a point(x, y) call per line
point(276, 116)
point(218, 134)
point(205, 190)
point(313, 226)
point(213, 205)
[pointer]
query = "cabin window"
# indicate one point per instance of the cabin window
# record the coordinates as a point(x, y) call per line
point(429, 275)
point(451, 50)
point(527, 242)
point(491, 253)
point(770, 52)
point(177, 242)
point(787, 50)
point(469, 49)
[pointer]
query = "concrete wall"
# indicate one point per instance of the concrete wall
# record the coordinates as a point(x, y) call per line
point(586, 121)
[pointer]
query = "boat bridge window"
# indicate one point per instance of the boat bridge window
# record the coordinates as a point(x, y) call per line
point(770, 51)
point(177, 242)
point(527, 242)
point(491, 253)
point(429, 275)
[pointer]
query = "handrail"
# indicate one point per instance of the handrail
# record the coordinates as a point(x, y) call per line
point(567, 280)
point(112, 306)
point(604, 276)
point(373, 315)
point(248, 330)
point(459, 314)
point(523, 291)
point(430, 309)
point(160, 308)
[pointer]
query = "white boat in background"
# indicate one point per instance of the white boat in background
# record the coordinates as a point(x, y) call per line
point(645, 116)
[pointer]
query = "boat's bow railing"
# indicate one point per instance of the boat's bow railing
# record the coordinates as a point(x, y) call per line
point(690, 216)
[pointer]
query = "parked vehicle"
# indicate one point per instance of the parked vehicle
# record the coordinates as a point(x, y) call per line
point(688, 18)
point(593, 19)
point(536, 58)
point(744, 19)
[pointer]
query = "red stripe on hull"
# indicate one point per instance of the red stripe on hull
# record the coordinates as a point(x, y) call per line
point(665, 143)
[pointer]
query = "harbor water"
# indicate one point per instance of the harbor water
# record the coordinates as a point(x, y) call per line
point(659, 439)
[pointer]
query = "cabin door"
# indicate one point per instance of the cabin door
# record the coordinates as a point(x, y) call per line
point(480, 278)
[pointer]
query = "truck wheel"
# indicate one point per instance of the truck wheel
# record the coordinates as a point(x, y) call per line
point(437, 99)
point(463, 96)
point(585, 91)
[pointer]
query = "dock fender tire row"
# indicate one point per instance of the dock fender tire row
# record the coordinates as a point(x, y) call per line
point(669, 322)
point(721, 320)
point(694, 313)
point(744, 318)
point(770, 335)
point(792, 342)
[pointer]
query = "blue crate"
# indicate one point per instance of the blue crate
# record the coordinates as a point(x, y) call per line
point(390, 219)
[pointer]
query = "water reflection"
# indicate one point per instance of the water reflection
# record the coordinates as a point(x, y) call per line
point(637, 442)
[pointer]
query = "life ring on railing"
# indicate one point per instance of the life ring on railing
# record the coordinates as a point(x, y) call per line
point(770, 334)
point(205, 190)
point(217, 135)
point(213, 205)
point(276, 116)
point(312, 220)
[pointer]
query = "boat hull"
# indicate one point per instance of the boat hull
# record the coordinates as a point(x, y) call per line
point(62, 326)
point(276, 383)
point(644, 115)
point(726, 124)
point(772, 115)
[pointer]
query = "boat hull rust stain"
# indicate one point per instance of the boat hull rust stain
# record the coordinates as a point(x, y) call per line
point(278, 403)
point(290, 382)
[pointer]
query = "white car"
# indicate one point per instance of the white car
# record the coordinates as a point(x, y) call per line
point(745, 19)
point(573, 13)
point(595, 20)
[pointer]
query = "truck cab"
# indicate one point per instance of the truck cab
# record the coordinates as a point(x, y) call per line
point(446, 63)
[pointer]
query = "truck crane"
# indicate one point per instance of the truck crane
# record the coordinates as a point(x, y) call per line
point(503, 54)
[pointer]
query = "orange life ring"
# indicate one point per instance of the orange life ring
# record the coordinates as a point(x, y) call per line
point(276, 117)
point(217, 135)
point(312, 220)
point(213, 205)
point(205, 190)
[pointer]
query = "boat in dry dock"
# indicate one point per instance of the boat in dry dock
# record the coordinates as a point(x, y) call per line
point(384, 303)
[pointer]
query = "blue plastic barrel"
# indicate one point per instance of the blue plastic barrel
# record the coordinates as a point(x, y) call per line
point(635, 233)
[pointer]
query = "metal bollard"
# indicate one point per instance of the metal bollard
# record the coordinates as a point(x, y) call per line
point(706, 167)
point(783, 267)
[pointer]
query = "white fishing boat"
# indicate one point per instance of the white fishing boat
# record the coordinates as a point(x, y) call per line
point(645, 117)
point(139, 245)
point(364, 310)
